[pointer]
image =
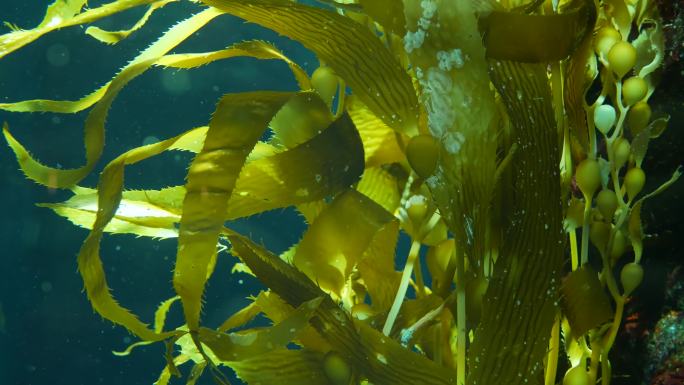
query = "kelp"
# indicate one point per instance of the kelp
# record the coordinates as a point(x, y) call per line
point(535, 245)
point(342, 44)
point(454, 139)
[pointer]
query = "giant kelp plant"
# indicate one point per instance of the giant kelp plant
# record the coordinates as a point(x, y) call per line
point(488, 131)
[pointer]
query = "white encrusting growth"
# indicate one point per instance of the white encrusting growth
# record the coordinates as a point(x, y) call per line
point(414, 40)
point(436, 81)
point(450, 59)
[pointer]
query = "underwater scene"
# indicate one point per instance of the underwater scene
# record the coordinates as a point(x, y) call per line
point(342, 192)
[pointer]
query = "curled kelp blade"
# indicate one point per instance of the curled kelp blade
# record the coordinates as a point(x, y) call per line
point(113, 37)
point(371, 354)
point(342, 44)
point(159, 321)
point(382, 187)
point(276, 309)
point(327, 163)
point(109, 195)
point(238, 346)
point(135, 214)
point(103, 98)
point(380, 142)
point(235, 128)
point(61, 14)
point(336, 241)
point(257, 49)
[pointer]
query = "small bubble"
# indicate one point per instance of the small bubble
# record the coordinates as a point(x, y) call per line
point(46, 286)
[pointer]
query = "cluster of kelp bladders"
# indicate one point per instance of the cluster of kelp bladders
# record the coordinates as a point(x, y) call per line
point(459, 116)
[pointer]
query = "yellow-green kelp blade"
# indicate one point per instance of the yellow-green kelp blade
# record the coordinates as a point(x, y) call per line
point(257, 49)
point(61, 14)
point(345, 46)
point(236, 126)
point(94, 131)
point(371, 354)
point(327, 163)
point(113, 37)
point(379, 140)
point(109, 195)
point(276, 309)
point(231, 347)
point(335, 242)
point(159, 321)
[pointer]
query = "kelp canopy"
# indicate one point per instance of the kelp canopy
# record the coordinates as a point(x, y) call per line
point(469, 126)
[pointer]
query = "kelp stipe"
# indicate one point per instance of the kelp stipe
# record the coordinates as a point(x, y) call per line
point(468, 127)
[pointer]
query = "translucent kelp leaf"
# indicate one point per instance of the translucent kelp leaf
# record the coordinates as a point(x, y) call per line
point(113, 37)
point(377, 268)
point(249, 343)
point(413, 310)
point(240, 317)
point(277, 310)
point(322, 166)
point(299, 120)
point(640, 144)
point(585, 304)
point(635, 230)
point(132, 216)
point(60, 14)
point(650, 46)
point(380, 186)
point(109, 192)
point(283, 367)
point(166, 373)
point(380, 359)
point(235, 127)
point(159, 321)
point(257, 49)
point(103, 97)
point(338, 238)
point(342, 44)
point(379, 140)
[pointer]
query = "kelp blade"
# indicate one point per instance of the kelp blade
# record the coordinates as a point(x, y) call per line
point(94, 132)
point(537, 38)
point(60, 14)
point(326, 164)
point(109, 195)
point(236, 126)
point(380, 359)
point(342, 44)
point(336, 241)
point(522, 300)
